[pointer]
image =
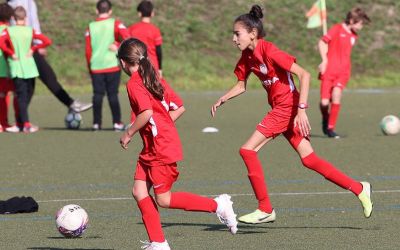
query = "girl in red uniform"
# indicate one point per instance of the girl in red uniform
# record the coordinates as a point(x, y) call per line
point(157, 107)
point(274, 68)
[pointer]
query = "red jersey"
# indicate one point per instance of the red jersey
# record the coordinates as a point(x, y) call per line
point(340, 42)
point(150, 35)
point(272, 66)
point(120, 33)
point(161, 143)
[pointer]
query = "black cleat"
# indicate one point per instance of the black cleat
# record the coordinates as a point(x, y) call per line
point(332, 134)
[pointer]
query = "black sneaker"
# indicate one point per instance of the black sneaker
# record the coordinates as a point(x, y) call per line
point(325, 127)
point(332, 134)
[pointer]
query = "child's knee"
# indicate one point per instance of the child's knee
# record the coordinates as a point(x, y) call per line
point(139, 194)
point(163, 201)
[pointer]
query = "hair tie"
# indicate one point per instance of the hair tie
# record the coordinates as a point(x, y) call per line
point(141, 58)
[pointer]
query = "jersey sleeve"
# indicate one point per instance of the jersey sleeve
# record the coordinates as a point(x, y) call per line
point(175, 101)
point(139, 99)
point(157, 37)
point(242, 70)
point(6, 44)
point(281, 58)
point(45, 41)
point(120, 32)
point(331, 33)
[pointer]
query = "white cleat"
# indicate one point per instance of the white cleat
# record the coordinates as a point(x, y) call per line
point(78, 106)
point(365, 199)
point(258, 217)
point(155, 245)
point(225, 212)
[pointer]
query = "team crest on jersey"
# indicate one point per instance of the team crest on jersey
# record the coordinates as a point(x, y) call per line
point(352, 40)
point(263, 69)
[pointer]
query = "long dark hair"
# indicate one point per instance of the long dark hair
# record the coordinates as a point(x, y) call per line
point(134, 52)
point(252, 20)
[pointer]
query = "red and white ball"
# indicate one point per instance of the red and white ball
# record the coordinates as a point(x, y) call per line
point(72, 220)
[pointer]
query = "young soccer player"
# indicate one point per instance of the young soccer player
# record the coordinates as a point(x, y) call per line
point(335, 68)
point(274, 68)
point(16, 42)
point(157, 107)
point(102, 40)
point(6, 85)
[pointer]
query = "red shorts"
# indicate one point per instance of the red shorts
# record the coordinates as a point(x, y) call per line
point(161, 177)
point(278, 122)
point(330, 81)
point(6, 85)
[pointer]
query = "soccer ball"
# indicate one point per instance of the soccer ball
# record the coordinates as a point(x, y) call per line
point(73, 120)
point(390, 125)
point(72, 221)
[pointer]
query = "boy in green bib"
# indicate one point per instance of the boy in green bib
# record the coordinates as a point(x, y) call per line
point(16, 43)
point(103, 37)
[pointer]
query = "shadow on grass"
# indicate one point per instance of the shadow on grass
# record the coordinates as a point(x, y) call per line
point(253, 229)
point(56, 248)
point(63, 238)
point(75, 130)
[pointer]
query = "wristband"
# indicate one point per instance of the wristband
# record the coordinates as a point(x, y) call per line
point(302, 105)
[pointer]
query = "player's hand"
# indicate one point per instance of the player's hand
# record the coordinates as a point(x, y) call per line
point(301, 121)
point(160, 73)
point(42, 51)
point(322, 67)
point(15, 57)
point(113, 47)
point(125, 139)
point(216, 105)
point(30, 53)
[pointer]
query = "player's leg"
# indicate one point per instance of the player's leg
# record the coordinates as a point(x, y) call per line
point(21, 90)
point(113, 81)
point(312, 161)
point(163, 178)
point(29, 127)
point(3, 104)
point(99, 90)
point(49, 78)
point(325, 98)
point(335, 108)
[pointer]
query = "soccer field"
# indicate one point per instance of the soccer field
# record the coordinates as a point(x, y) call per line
point(58, 167)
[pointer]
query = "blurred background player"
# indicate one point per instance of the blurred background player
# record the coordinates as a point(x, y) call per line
point(17, 42)
point(335, 68)
point(274, 68)
point(157, 107)
point(6, 84)
point(46, 73)
point(102, 42)
point(150, 34)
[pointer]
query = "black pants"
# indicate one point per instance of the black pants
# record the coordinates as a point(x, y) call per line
point(24, 89)
point(49, 78)
point(106, 83)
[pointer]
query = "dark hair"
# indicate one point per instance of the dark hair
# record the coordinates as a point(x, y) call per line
point(356, 15)
point(6, 12)
point(103, 6)
point(134, 52)
point(19, 13)
point(145, 7)
point(253, 20)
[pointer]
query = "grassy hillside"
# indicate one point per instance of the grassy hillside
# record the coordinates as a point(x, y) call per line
point(198, 52)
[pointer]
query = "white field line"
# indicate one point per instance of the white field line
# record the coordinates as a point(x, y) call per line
point(214, 195)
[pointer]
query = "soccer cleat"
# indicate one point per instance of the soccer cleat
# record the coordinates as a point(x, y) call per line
point(96, 127)
point(325, 127)
point(365, 199)
point(332, 134)
point(78, 106)
point(225, 212)
point(119, 127)
point(30, 128)
point(155, 245)
point(258, 216)
point(13, 129)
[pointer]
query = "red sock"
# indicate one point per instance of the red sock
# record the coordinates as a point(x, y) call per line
point(324, 111)
point(326, 169)
point(151, 219)
point(192, 202)
point(335, 108)
point(256, 177)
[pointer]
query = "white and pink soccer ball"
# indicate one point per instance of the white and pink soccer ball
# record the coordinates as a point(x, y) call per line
point(390, 125)
point(72, 221)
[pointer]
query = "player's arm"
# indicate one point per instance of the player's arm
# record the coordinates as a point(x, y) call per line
point(238, 89)
point(175, 114)
point(301, 118)
point(45, 41)
point(141, 120)
point(120, 33)
point(159, 58)
point(6, 45)
point(88, 48)
point(323, 51)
